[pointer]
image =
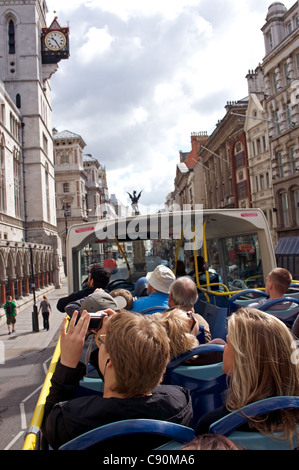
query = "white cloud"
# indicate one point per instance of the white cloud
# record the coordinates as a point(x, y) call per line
point(97, 41)
point(143, 75)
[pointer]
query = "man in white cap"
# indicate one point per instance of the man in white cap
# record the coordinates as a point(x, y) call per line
point(159, 282)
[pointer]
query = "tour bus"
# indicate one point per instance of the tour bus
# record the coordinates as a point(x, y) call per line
point(235, 244)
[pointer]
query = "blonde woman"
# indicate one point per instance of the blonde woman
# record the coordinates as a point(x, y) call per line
point(182, 329)
point(258, 361)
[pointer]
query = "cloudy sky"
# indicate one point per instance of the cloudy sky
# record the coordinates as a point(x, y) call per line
point(144, 74)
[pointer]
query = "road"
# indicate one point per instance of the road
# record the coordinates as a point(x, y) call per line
point(25, 358)
point(20, 385)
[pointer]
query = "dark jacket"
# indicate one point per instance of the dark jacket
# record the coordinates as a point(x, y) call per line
point(62, 303)
point(67, 417)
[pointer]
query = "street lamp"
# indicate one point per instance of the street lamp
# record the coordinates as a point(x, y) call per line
point(67, 213)
point(35, 327)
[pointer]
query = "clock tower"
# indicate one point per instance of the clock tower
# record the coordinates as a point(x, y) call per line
point(29, 55)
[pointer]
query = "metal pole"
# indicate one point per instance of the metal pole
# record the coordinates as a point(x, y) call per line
point(35, 327)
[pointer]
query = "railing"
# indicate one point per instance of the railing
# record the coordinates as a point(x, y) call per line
point(33, 434)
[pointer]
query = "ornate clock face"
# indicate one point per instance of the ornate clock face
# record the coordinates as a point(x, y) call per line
point(55, 40)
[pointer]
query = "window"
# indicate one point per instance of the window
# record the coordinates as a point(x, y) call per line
point(239, 160)
point(275, 82)
point(277, 123)
point(258, 145)
point(280, 165)
point(17, 186)
point(11, 38)
point(285, 209)
point(257, 183)
point(2, 177)
point(289, 115)
point(18, 100)
point(264, 143)
point(292, 159)
point(253, 148)
point(296, 202)
point(47, 192)
point(242, 190)
point(262, 182)
point(66, 187)
point(270, 41)
point(64, 159)
point(267, 180)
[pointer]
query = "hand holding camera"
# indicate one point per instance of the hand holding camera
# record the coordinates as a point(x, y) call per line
point(72, 339)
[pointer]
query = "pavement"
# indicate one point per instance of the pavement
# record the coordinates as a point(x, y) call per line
point(25, 341)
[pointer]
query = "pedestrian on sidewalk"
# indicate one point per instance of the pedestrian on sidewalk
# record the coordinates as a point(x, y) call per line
point(45, 307)
point(11, 313)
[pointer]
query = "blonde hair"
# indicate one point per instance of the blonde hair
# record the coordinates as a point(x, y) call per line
point(262, 367)
point(177, 325)
point(139, 350)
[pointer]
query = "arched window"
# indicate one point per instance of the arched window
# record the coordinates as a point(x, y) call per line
point(17, 182)
point(47, 192)
point(2, 177)
point(11, 38)
point(18, 100)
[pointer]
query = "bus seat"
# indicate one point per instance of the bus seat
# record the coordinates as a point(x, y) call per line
point(149, 310)
point(234, 302)
point(228, 425)
point(285, 315)
point(201, 338)
point(121, 284)
point(216, 318)
point(176, 433)
point(206, 383)
point(89, 386)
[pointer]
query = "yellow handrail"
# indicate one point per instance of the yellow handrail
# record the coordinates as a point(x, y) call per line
point(37, 418)
point(124, 255)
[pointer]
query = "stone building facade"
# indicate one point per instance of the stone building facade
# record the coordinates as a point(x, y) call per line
point(30, 252)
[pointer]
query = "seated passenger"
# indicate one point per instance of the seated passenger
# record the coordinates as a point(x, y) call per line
point(133, 354)
point(126, 294)
point(277, 284)
point(182, 328)
point(258, 360)
point(183, 292)
point(295, 327)
point(98, 300)
point(202, 277)
point(159, 282)
point(140, 289)
point(180, 268)
point(211, 442)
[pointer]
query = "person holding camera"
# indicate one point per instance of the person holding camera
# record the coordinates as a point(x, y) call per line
point(133, 354)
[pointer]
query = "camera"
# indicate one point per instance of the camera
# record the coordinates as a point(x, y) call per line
point(96, 320)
